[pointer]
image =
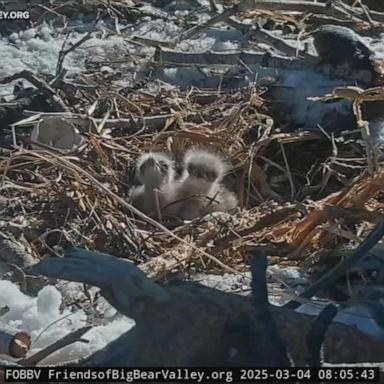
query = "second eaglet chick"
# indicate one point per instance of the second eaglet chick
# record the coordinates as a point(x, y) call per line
point(154, 170)
point(199, 191)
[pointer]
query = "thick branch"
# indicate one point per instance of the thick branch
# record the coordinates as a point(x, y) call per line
point(13, 342)
point(195, 325)
point(164, 55)
point(40, 84)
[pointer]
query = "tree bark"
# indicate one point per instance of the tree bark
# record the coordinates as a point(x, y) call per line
point(187, 324)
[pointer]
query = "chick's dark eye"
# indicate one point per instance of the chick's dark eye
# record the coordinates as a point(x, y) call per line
point(163, 167)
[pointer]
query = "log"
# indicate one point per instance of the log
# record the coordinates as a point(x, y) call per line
point(170, 56)
point(13, 342)
point(178, 325)
point(187, 324)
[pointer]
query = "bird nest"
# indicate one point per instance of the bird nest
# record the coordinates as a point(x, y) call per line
point(298, 197)
point(301, 194)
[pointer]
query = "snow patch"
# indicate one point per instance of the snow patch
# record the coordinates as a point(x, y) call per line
point(44, 320)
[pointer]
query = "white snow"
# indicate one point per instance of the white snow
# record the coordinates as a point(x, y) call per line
point(47, 322)
point(376, 128)
point(43, 318)
point(358, 315)
point(37, 49)
point(39, 54)
point(293, 89)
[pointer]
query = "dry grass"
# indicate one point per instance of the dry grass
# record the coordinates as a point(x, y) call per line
point(287, 185)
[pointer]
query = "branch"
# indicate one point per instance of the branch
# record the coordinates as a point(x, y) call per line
point(212, 21)
point(71, 338)
point(64, 52)
point(316, 335)
point(343, 267)
point(168, 56)
point(58, 103)
point(110, 274)
point(294, 6)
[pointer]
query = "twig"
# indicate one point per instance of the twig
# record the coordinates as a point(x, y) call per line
point(51, 325)
point(64, 52)
point(151, 42)
point(289, 174)
point(44, 87)
point(261, 35)
point(212, 21)
point(358, 96)
point(296, 6)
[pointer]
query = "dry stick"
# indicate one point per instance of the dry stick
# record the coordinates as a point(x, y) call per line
point(369, 146)
point(40, 84)
point(214, 20)
point(367, 14)
point(261, 35)
point(174, 57)
point(289, 174)
point(66, 340)
point(213, 6)
point(357, 96)
point(51, 10)
point(342, 267)
point(151, 42)
point(366, 135)
point(51, 325)
point(361, 13)
point(266, 37)
point(294, 6)
point(68, 165)
point(64, 52)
